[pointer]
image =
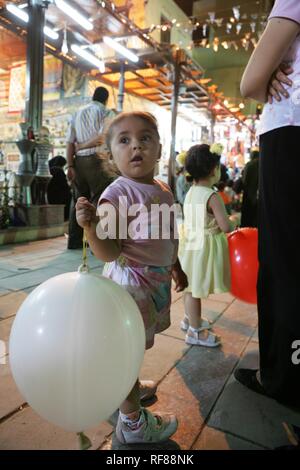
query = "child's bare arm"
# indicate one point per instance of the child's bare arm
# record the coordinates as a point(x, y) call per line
point(217, 206)
point(106, 249)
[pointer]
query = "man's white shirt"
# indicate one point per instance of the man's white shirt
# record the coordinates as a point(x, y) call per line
point(87, 123)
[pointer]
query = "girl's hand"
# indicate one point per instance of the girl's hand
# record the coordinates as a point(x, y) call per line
point(236, 219)
point(180, 279)
point(279, 77)
point(85, 212)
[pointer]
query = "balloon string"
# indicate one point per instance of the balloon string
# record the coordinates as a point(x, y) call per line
point(84, 441)
point(84, 250)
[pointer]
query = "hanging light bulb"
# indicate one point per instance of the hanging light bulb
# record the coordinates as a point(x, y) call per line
point(236, 12)
point(64, 47)
point(228, 27)
point(238, 28)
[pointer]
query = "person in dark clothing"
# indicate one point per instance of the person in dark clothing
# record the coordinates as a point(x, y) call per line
point(87, 171)
point(250, 196)
point(277, 53)
point(224, 173)
point(58, 190)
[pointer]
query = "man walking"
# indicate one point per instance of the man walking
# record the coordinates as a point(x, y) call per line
point(87, 172)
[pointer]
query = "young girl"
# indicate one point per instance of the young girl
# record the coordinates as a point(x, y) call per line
point(203, 249)
point(144, 266)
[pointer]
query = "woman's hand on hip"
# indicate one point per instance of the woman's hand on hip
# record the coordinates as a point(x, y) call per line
point(279, 78)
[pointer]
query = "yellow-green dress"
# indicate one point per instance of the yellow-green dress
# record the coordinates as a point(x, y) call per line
point(203, 247)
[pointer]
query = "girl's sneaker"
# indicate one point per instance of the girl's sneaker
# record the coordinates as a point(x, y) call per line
point(192, 337)
point(153, 428)
point(205, 324)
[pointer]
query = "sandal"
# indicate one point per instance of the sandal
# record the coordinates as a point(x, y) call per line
point(212, 340)
point(247, 377)
point(205, 324)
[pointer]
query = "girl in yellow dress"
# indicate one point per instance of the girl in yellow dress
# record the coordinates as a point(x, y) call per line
point(203, 248)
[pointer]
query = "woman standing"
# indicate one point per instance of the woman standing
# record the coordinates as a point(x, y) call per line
point(279, 223)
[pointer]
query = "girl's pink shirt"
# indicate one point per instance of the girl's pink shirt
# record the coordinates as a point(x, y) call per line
point(124, 194)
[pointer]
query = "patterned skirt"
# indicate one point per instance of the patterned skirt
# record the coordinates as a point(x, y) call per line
point(150, 287)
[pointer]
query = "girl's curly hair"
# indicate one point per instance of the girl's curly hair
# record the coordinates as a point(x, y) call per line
point(200, 162)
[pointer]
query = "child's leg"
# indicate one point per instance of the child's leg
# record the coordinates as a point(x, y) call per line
point(196, 334)
point(131, 406)
point(193, 310)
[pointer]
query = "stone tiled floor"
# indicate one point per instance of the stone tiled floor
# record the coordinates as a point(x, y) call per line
point(214, 411)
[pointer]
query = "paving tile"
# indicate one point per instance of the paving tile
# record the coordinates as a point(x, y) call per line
point(5, 327)
point(214, 305)
point(28, 431)
point(226, 297)
point(10, 303)
point(240, 317)
point(249, 311)
point(165, 353)
point(4, 291)
point(253, 417)
point(213, 309)
point(5, 273)
point(25, 280)
point(175, 396)
point(10, 398)
point(213, 439)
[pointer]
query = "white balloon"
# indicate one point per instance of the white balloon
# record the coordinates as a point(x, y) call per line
point(76, 347)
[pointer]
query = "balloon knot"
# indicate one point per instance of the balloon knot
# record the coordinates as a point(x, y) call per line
point(84, 441)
